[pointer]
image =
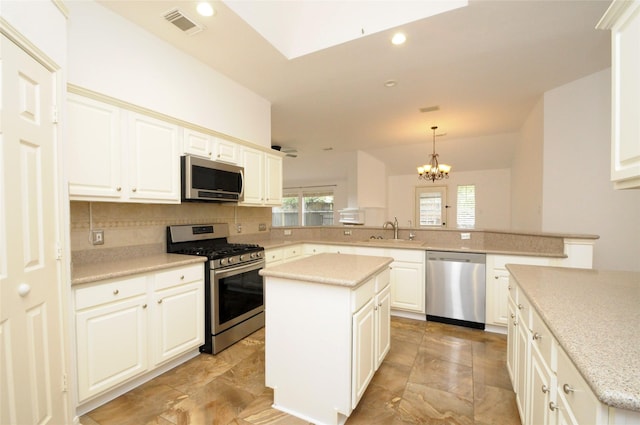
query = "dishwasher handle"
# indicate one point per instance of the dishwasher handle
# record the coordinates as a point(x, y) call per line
point(456, 257)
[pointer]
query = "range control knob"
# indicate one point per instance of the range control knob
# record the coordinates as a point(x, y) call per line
point(252, 255)
point(223, 262)
point(242, 258)
point(259, 254)
point(231, 260)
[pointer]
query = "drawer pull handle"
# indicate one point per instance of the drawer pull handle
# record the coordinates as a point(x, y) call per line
point(553, 406)
point(116, 292)
point(545, 389)
point(536, 336)
point(567, 388)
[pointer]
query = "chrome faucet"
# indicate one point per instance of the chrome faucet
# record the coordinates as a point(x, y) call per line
point(394, 225)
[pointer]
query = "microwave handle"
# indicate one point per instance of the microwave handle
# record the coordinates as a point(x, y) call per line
point(241, 196)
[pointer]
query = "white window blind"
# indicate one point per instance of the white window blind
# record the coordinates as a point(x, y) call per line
point(466, 207)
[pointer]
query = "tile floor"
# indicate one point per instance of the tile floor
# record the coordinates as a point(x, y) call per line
point(433, 374)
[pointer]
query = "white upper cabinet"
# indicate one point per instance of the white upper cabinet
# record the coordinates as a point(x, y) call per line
point(623, 19)
point(210, 147)
point(119, 155)
point(262, 177)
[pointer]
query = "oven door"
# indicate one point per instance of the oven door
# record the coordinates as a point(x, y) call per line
point(237, 294)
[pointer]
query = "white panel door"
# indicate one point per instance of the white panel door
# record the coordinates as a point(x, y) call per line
point(31, 343)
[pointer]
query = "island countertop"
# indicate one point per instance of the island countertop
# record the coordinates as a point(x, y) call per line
point(594, 316)
point(331, 269)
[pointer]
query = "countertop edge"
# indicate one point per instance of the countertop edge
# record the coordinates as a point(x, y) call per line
point(94, 272)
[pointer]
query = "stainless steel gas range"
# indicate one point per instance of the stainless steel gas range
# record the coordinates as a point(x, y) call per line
point(234, 289)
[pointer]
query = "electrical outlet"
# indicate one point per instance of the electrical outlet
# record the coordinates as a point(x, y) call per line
point(465, 235)
point(239, 228)
point(347, 232)
point(97, 237)
point(262, 227)
point(287, 232)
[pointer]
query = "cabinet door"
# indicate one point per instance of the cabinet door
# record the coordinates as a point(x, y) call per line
point(154, 165)
point(226, 151)
point(94, 156)
point(497, 295)
point(512, 345)
point(383, 324)
point(363, 366)
point(178, 323)
point(407, 286)
point(540, 390)
point(111, 345)
point(625, 78)
point(253, 163)
point(273, 180)
point(196, 143)
point(522, 366)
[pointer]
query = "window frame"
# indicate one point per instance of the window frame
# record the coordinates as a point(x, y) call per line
point(442, 190)
point(304, 192)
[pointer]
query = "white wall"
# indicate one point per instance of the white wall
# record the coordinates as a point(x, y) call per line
point(493, 188)
point(110, 55)
point(577, 192)
point(526, 173)
point(371, 182)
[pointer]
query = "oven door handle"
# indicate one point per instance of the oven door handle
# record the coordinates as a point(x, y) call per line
point(238, 269)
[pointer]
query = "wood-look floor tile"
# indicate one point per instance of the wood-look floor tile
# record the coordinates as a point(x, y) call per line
point(495, 406)
point(402, 352)
point(447, 348)
point(195, 373)
point(443, 375)
point(378, 405)
point(426, 405)
point(391, 376)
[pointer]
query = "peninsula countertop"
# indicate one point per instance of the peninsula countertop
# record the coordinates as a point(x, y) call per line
point(595, 316)
point(331, 269)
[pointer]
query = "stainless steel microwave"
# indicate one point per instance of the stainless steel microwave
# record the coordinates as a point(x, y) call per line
point(204, 180)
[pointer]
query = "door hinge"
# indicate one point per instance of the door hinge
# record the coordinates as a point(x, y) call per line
point(58, 252)
point(64, 383)
point(54, 116)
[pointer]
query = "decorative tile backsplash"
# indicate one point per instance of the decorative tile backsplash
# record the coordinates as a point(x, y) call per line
point(128, 224)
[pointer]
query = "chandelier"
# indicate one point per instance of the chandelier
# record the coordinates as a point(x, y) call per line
point(434, 170)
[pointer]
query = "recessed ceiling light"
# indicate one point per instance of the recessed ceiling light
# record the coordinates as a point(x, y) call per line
point(390, 83)
point(398, 38)
point(205, 9)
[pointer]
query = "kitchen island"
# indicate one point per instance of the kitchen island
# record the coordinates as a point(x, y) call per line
point(591, 320)
point(327, 331)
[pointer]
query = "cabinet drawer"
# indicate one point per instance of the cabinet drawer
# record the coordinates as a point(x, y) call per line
point(109, 291)
point(543, 340)
point(273, 255)
point(363, 294)
point(382, 280)
point(408, 255)
point(292, 251)
point(179, 276)
point(580, 399)
point(524, 308)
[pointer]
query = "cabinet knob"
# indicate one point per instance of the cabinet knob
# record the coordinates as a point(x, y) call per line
point(536, 336)
point(24, 289)
point(134, 190)
point(160, 301)
point(545, 389)
point(144, 306)
point(116, 292)
point(182, 277)
point(118, 189)
point(568, 388)
point(513, 316)
point(552, 406)
point(520, 306)
point(496, 277)
point(509, 287)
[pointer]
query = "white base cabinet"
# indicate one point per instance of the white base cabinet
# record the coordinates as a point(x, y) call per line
point(341, 336)
point(127, 327)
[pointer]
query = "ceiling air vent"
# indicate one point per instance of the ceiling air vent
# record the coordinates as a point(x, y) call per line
point(184, 23)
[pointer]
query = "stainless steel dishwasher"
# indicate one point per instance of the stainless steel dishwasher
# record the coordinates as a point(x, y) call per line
point(456, 288)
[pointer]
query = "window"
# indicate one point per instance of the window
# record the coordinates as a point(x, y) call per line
point(311, 206)
point(431, 206)
point(466, 206)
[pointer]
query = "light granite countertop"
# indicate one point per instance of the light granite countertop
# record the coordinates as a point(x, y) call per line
point(413, 245)
point(595, 317)
point(93, 272)
point(330, 269)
